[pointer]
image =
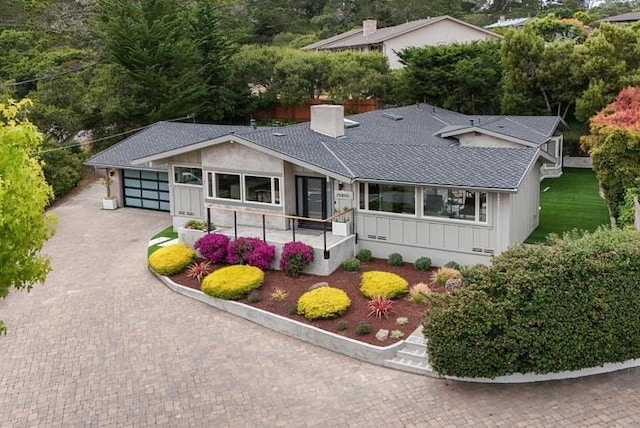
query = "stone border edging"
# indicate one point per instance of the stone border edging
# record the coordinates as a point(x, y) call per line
point(364, 351)
point(307, 333)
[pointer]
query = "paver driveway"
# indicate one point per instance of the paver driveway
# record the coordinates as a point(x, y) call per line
point(103, 343)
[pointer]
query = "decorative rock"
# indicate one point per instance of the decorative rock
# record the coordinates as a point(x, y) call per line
point(318, 285)
point(452, 285)
point(382, 334)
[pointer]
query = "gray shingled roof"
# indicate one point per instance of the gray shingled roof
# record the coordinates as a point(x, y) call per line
point(320, 44)
point(625, 17)
point(161, 137)
point(409, 150)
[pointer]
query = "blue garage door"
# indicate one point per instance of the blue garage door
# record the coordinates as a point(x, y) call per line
point(146, 189)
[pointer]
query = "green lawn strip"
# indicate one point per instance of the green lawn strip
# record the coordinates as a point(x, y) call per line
point(571, 202)
point(166, 233)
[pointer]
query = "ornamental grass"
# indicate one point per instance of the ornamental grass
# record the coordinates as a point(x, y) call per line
point(172, 259)
point(232, 282)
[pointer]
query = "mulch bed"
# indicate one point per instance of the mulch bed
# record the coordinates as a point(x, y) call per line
point(350, 283)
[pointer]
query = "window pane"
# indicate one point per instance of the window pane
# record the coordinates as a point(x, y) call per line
point(210, 184)
point(257, 189)
point(392, 198)
point(149, 175)
point(133, 192)
point(187, 175)
point(149, 184)
point(468, 210)
point(276, 190)
point(131, 173)
point(228, 186)
point(361, 196)
point(374, 197)
point(438, 203)
point(483, 207)
point(129, 182)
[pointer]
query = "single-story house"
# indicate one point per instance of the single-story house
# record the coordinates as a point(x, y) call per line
point(416, 180)
point(442, 30)
point(625, 18)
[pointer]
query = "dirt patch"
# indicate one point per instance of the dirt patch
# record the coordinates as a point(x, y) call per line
point(350, 283)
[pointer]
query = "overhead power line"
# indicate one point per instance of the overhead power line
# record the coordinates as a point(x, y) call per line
point(120, 134)
point(50, 76)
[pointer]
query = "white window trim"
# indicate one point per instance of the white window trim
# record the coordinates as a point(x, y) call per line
point(476, 219)
point(173, 175)
point(210, 183)
point(366, 201)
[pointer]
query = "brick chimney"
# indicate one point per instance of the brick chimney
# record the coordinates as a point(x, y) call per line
point(328, 120)
point(369, 26)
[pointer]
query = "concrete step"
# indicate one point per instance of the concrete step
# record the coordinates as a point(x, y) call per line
point(416, 354)
point(411, 366)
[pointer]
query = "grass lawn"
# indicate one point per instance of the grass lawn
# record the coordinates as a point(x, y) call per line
point(166, 233)
point(570, 202)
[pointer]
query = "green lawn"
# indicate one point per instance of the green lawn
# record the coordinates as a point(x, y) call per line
point(167, 233)
point(570, 202)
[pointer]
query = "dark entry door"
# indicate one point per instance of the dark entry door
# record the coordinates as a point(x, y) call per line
point(311, 200)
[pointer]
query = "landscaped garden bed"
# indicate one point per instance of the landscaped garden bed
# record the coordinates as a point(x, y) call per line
point(279, 294)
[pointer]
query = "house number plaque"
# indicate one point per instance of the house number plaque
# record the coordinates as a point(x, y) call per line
point(343, 194)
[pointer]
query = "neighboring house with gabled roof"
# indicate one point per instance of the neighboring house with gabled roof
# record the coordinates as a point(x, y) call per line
point(418, 180)
point(442, 30)
point(511, 22)
point(625, 18)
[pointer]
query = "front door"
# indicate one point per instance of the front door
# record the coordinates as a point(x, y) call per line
point(311, 200)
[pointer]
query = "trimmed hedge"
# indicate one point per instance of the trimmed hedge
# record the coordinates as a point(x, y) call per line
point(539, 309)
point(323, 302)
point(232, 282)
point(171, 259)
point(385, 284)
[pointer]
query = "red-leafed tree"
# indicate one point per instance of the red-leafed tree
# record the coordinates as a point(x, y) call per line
point(614, 147)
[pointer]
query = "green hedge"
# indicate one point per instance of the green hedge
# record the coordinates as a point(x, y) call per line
point(541, 309)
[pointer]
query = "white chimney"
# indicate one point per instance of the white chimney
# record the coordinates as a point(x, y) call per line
point(328, 120)
point(369, 26)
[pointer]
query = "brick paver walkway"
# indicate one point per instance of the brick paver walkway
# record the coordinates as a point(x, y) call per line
point(103, 343)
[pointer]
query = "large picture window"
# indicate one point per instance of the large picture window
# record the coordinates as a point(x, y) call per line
point(187, 175)
point(244, 187)
point(455, 204)
point(391, 198)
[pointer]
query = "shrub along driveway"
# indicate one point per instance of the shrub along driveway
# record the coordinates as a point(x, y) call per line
point(103, 343)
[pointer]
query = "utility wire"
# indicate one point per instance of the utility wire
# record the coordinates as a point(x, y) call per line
point(191, 116)
point(50, 76)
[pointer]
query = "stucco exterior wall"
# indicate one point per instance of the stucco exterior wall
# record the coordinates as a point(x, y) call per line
point(473, 139)
point(444, 32)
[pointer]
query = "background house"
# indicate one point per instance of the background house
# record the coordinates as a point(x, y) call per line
point(443, 30)
point(421, 181)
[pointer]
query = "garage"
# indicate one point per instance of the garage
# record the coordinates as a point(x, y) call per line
point(146, 189)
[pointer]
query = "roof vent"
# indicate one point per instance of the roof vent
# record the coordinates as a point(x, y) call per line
point(348, 123)
point(392, 116)
point(277, 134)
point(471, 121)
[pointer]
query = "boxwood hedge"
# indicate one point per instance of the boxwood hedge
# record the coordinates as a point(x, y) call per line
point(571, 304)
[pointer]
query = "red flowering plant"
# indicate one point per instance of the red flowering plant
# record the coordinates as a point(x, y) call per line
point(213, 247)
point(250, 251)
point(296, 256)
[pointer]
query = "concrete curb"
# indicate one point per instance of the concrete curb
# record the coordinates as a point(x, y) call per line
point(364, 351)
point(307, 333)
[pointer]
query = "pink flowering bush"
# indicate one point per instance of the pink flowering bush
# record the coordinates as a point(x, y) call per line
point(296, 256)
point(213, 247)
point(250, 251)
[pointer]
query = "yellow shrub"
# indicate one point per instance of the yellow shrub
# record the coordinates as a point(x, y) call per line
point(232, 282)
point(419, 292)
point(444, 273)
point(171, 259)
point(323, 302)
point(385, 284)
